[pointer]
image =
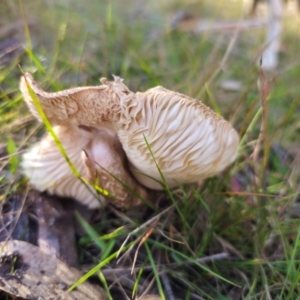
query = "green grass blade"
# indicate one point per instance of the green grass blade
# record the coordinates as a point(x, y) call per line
point(154, 269)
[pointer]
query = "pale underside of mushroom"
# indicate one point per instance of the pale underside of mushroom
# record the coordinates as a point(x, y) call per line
point(101, 160)
point(160, 131)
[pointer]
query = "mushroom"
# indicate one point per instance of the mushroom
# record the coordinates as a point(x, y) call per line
point(168, 138)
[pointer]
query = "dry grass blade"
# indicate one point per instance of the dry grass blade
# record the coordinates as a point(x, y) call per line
point(143, 240)
point(150, 221)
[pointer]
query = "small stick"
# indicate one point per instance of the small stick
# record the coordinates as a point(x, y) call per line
point(205, 259)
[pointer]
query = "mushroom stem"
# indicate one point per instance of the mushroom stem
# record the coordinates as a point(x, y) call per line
point(105, 164)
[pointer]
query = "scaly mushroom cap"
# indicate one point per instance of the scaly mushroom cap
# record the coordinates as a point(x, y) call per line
point(188, 140)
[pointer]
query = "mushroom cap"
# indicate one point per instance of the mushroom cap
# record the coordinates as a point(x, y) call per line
point(161, 131)
point(49, 171)
point(100, 160)
point(187, 139)
point(88, 106)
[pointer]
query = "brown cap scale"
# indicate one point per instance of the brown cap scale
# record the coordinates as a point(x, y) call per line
point(188, 140)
